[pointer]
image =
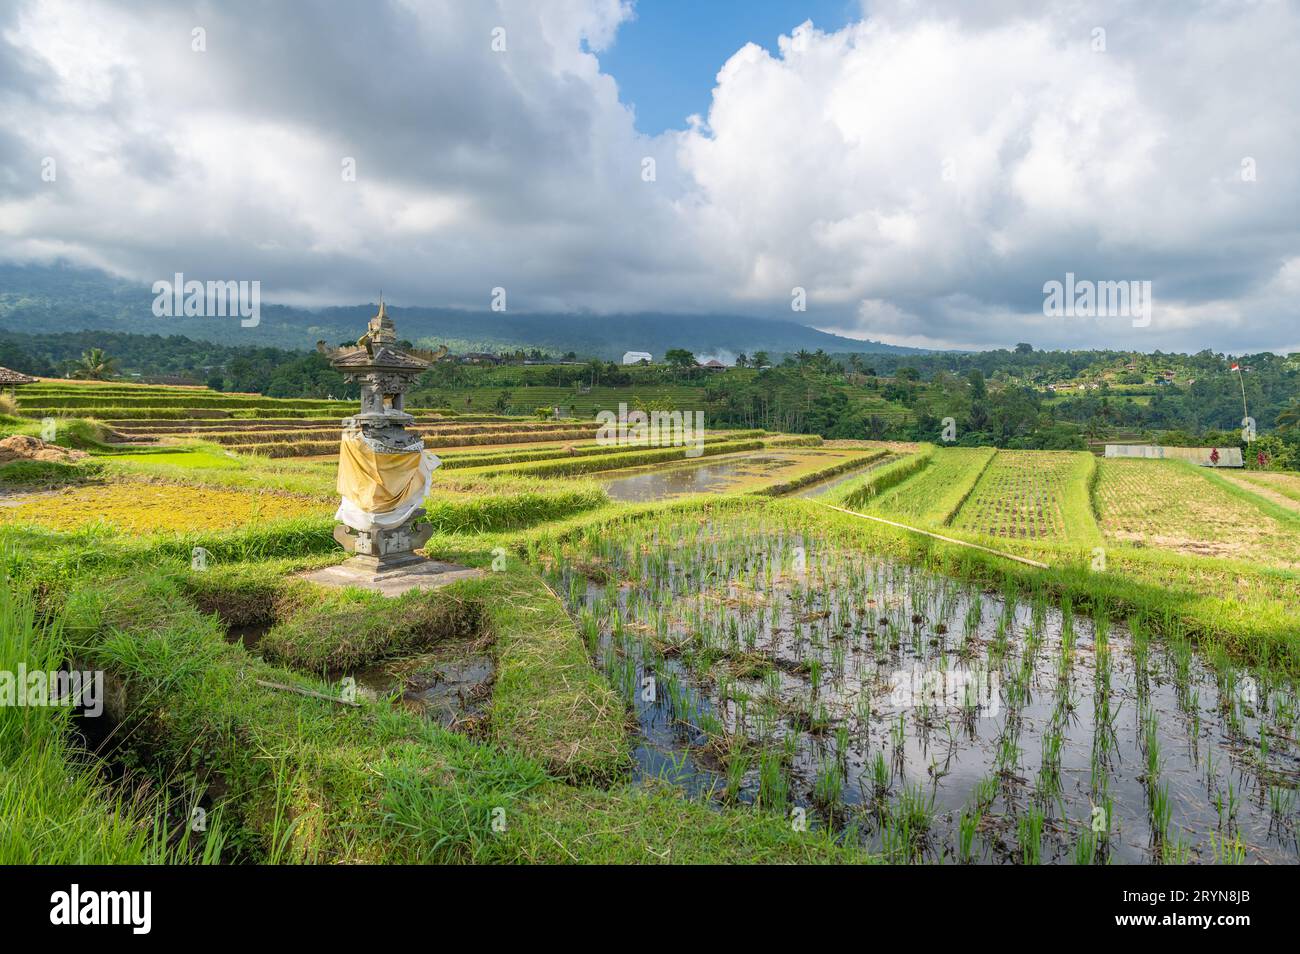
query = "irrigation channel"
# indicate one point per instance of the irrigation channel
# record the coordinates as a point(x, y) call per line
point(930, 718)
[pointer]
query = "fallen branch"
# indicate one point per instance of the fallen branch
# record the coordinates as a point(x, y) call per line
point(306, 692)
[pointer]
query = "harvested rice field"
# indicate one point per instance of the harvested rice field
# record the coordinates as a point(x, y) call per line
point(1279, 488)
point(1172, 506)
point(138, 507)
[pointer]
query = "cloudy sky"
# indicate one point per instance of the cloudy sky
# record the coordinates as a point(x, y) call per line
point(920, 169)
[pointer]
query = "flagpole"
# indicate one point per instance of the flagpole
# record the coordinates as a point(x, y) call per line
point(1240, 380)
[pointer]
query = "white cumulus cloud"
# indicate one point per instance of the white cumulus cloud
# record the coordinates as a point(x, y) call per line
point(920, 172)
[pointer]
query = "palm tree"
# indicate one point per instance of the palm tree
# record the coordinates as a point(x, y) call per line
point(95, 365)
point(1289, 417)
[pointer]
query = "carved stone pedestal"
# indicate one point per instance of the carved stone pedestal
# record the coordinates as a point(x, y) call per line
point(380, 551)
point(385, 561)
point(420, 574)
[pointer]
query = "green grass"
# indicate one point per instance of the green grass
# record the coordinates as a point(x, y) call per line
point(333, 632)
point(79, 433)
point(496, 458)
point(824, 472)
point(863, 490)
point(54, 806)
point(303, 779)
point(548, 701)
point(46, 474)
point(932, 494)
point(187, 459)
point(309, 447)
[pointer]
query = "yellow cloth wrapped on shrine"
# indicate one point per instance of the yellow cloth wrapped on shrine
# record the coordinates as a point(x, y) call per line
point(377, 483)
point(380, 490)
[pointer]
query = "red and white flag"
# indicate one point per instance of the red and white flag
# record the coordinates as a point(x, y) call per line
point(1236, 367)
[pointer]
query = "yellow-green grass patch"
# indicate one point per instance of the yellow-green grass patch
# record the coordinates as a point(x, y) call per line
point(141, 507)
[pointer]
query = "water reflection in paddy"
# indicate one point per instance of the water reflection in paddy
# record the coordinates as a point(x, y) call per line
point(771, 667)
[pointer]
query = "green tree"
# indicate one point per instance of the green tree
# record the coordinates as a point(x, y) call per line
point(1288, 418)
point(95, 365)
point(680, 358)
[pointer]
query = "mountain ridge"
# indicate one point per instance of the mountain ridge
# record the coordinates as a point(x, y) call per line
point(68, 298)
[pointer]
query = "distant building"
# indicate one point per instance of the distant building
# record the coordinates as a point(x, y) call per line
point(636, 357)
point(479, 357)
point(1203, 456)
point(713, 364)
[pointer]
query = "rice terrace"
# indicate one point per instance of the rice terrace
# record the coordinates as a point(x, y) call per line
point(684, 670)
point(864, 434)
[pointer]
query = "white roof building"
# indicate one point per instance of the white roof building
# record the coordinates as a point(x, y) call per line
point(1202, 456)
point(634, 357)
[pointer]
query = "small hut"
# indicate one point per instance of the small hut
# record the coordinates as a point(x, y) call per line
point(10, 381)
point(13, 379)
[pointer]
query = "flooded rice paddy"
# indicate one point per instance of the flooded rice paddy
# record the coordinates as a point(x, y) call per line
point(823, 487)
point(930, 719)
point(720, 475)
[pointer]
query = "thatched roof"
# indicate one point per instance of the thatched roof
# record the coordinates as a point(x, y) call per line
point(10, 379)
point(351, 359)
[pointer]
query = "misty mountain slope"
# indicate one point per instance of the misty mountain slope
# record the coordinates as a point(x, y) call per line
point(61, 298)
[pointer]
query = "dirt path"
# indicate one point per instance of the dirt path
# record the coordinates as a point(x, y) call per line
point(1267, 493)
point(11, 498)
